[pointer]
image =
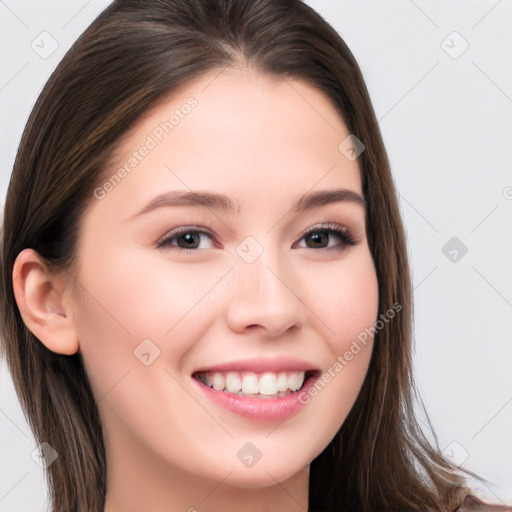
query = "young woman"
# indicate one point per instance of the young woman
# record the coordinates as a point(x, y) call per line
point(206, 298)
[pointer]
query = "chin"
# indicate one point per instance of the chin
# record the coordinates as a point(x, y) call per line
point(252, 478)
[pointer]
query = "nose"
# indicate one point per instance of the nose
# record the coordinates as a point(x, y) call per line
point(265, 296)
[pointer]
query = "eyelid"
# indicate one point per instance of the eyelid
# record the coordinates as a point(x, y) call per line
point(341, 230)
point(176, 232)
point(323, 225)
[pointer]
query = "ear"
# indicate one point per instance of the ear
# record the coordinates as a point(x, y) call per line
point(41, 295)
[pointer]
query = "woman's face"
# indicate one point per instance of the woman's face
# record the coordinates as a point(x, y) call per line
point(231, 251)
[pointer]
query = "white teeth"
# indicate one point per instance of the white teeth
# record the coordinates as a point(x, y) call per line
point(295, 381)
point(282, 382)
point(218, 381)
point(250, 384)
point(233, 382)
point(253, 384)
point(268, 384)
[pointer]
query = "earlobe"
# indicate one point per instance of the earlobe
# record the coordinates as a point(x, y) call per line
point(40, 294)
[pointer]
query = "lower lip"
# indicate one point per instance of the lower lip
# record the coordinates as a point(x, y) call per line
point(266, 409)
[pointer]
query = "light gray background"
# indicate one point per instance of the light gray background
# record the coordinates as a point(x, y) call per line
point(447, 124)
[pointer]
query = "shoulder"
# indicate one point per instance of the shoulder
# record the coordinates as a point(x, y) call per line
point(473, 504)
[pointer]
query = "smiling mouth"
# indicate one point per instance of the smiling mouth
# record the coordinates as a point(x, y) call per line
point(256, 384)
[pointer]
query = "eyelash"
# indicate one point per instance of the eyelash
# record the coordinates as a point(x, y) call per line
point(331, 228)
point(195, 230)
point(340, 231)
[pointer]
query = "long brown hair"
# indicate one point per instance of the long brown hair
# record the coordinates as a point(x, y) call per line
point(132, 56)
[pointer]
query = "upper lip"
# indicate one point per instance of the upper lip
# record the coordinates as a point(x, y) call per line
point(260, 365)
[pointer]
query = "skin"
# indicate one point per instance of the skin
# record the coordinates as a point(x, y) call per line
point(263, 142)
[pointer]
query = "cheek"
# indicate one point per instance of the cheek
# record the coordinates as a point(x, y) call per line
point(133, 300)
point(146, 297)
point(348, 304)
point(346, 298)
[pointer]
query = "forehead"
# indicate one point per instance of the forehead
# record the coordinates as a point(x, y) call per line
point(247, 135)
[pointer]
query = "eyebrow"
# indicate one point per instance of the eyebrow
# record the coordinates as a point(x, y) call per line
point(224, 203)
point(323, 197)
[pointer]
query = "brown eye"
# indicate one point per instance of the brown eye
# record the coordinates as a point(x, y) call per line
point(317, 240)
point(187, 238)
point(332, 236)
